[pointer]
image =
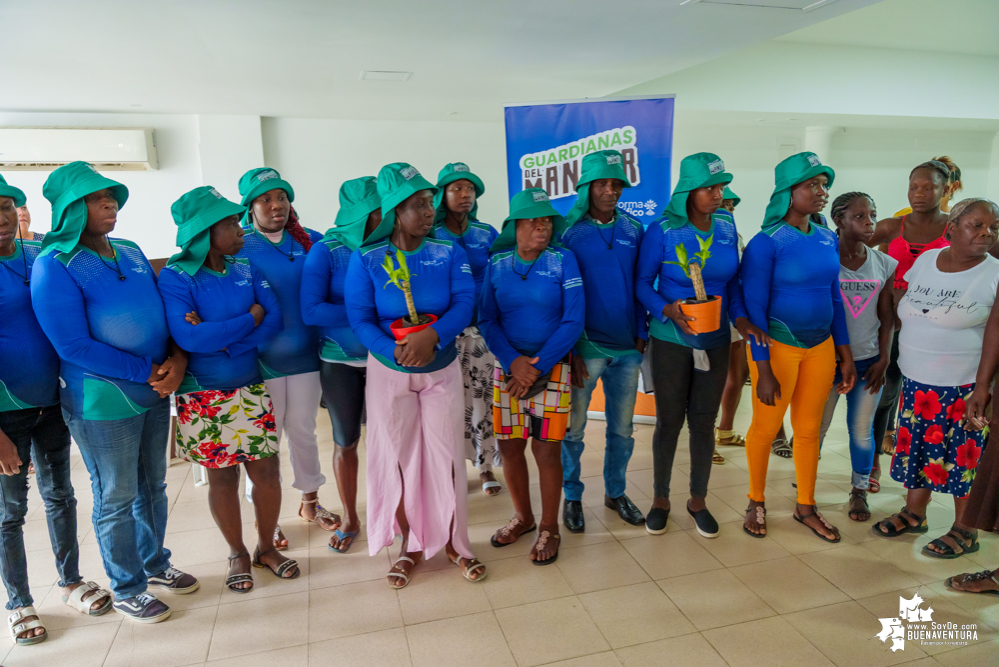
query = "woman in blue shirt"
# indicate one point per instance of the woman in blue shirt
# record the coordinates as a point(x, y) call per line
point(277, 245)
point(415, 454)
point(531, 314)
point(344, 358)
point(220, 309)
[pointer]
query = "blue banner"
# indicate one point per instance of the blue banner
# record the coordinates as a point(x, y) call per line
point(545, 145)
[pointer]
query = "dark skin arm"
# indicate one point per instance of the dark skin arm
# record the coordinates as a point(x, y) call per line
point(846, 369)
point(885, 232)
point(974, 411)
point(875, 375)
point(170, 372)
point(10, 462)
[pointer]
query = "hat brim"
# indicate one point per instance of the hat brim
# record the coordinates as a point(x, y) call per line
point(389, 203)
point(266, 186)
point(715, 179)
point(811, 172)
point(480, 188)
point(508, 233)
point(220, 210)
point(87, 186)
point(14, 193)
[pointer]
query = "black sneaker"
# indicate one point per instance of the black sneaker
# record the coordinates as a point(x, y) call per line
point(655, 521)
point(175, 581)
point(144, 608)
point(704, 522)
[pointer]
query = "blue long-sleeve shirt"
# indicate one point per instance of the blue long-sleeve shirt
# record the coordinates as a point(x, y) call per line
point(223, 348)
point(442, 285)
point(293, 350)
point(541, 315)
point(720, 274)
point(323, 302)
point(790, 280)
point(108, 332)
point(607, 254)
point(476, 242)
point(29, 365)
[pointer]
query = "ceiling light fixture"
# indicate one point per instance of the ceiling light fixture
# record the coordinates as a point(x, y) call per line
point(688, 2)
point(816, 5)
point(384, 75)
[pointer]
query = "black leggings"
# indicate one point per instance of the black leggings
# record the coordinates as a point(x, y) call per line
point(685, 393)
point(343, 392)
point(884, 417)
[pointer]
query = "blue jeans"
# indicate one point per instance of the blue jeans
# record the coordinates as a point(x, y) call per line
point(620, 381)
point(127, 463)
point(39, 434)
point(861, 406)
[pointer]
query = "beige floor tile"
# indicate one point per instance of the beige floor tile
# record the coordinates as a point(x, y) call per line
point(266, 584)
point(253, 626)
point(843, 633)
point(516, 581)
point(764, 643)
point(906, 556)
point(857, 572)
point(599, 566)
point(735, 497)
point(549, 631)
point(431, 596)
point(687, 651)
point(293, 656)
point(985, 607)
point(714, 599)
point(194, 547)
point(327, 568)
point(979, 654)
point(190, 516)
point(606, 659)
point(353, 609)
point(672, 554)
point(79, 647)
point(158, 645)
point(788, 585)
point(211, 576)
point(734, 547)
point(635, 614)
point(480, 533)
point(798, 539)
point(446, 642)
point(57, 615)
point(387, 647)
point(595, 533)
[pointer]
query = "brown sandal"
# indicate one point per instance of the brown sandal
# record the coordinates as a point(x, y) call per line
point(760, 520)
point(508, 529)
point(861, 498)
point(801, 519)
point(540, 545)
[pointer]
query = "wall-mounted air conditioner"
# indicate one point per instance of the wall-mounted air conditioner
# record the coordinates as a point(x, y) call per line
point(107, 148)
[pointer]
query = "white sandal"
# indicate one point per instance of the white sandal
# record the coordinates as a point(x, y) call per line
point(321, 513)
point(401, 575)
point(491, 485)
point(76, 601)
point(17, 625)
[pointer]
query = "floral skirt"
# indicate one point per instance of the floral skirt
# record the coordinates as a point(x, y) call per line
point(477, 364)
point(218, 429)
point(932, 449)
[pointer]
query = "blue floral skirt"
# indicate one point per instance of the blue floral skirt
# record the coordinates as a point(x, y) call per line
point(932, 449)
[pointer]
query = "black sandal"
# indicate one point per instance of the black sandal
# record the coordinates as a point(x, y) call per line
point(968, 544)
point(862, 496)
point(241, 578)
point(801, 519)
point(885, 527)
point(977, 576)
point(761, 520)
point(282, 568)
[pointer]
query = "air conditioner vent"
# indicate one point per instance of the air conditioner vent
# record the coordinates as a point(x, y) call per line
point(48, 148)
point(797, 5)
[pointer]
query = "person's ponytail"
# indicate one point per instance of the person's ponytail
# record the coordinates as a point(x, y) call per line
point(296, 230)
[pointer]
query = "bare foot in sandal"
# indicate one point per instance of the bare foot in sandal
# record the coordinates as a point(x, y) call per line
point(280, 541)
point(311, 511)
point(98, 597)
point(239, 564)
point(273, 561)
point(490, 486)
point(512, 531)
point(756, 522)
point(986, 582)
point(471, 568)
point(859, 509)
point(402, 570)
point(810, 517)
point(545, 550)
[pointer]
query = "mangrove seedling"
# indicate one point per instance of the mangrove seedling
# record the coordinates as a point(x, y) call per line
point(401, 278)
point(693, 268)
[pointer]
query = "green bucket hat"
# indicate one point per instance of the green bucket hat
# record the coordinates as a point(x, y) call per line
point(596, 166)
point(358, 199)
point(194, 214)
point(449, 174)
point(795, 169)
point(527, 204)
point(65, 189)
point(728, 194)
point(396, 183)
point(14, 193)
point(700, 170)
point(260, 180)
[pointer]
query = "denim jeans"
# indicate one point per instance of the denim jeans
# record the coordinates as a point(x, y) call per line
point(861, 406)
point(620, 381)
point(41, 435)
point(127, 463)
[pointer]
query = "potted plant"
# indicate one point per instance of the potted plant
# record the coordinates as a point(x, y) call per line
point(706, 310)
point(401, 278)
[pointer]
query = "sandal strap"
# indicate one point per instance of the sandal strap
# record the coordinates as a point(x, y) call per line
point(75, 598)
point(310, 502)
point(238, 579)
point(264, 553)
point(906, 512)
point(245, 554)
point(285, 566)
point(969, 537)
point(508, 528)
point(323, 513)
point(405, 558)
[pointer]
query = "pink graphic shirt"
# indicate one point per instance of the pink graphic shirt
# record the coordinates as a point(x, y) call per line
point(860, 290)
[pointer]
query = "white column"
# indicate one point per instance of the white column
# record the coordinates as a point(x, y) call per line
point(229, 146)
point(992, 190)
point(818, 140)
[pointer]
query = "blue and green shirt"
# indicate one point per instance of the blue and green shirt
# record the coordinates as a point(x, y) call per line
point(323, 302)
point(476, 241)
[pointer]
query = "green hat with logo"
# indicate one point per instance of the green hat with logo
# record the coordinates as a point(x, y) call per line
point(358, 199)
point(527, 204)
point(596, 166)
point(449, 174)
point(795, 169)
point(397, 182)
point(260, 180)
point(194, 214)
point(14, 193)
point(65, 189)
point(700, 170)
point(728, 194)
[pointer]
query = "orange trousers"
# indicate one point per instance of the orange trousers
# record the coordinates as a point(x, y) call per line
point(805, 377)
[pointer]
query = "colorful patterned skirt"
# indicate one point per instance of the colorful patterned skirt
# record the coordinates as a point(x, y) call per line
point(544, 417)
point(218, 429)
point(932, 449)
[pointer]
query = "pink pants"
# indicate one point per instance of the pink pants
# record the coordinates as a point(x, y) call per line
point(416, 425)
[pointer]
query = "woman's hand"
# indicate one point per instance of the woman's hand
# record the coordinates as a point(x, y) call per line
point(640, 345)
point(849, 373)
point(767, 386)
point(747, 329)
point(192, 318)
point(417, 348)
point(10, 461)
point(514, 388)
point(578, 373)
point(169, 375)
point(673, 312)
point(523, 371)
point(875, 376)
point(974, 410)
point(258, 313)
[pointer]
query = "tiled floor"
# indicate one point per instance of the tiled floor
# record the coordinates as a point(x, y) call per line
point(616, 596)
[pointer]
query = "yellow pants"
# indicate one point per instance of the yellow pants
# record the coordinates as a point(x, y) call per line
point(805, 377)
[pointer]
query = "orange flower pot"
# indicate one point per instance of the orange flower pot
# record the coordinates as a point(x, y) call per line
point(401, 330)
point(707, 315)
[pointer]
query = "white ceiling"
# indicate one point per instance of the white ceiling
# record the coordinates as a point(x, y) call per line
point(302, 58)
